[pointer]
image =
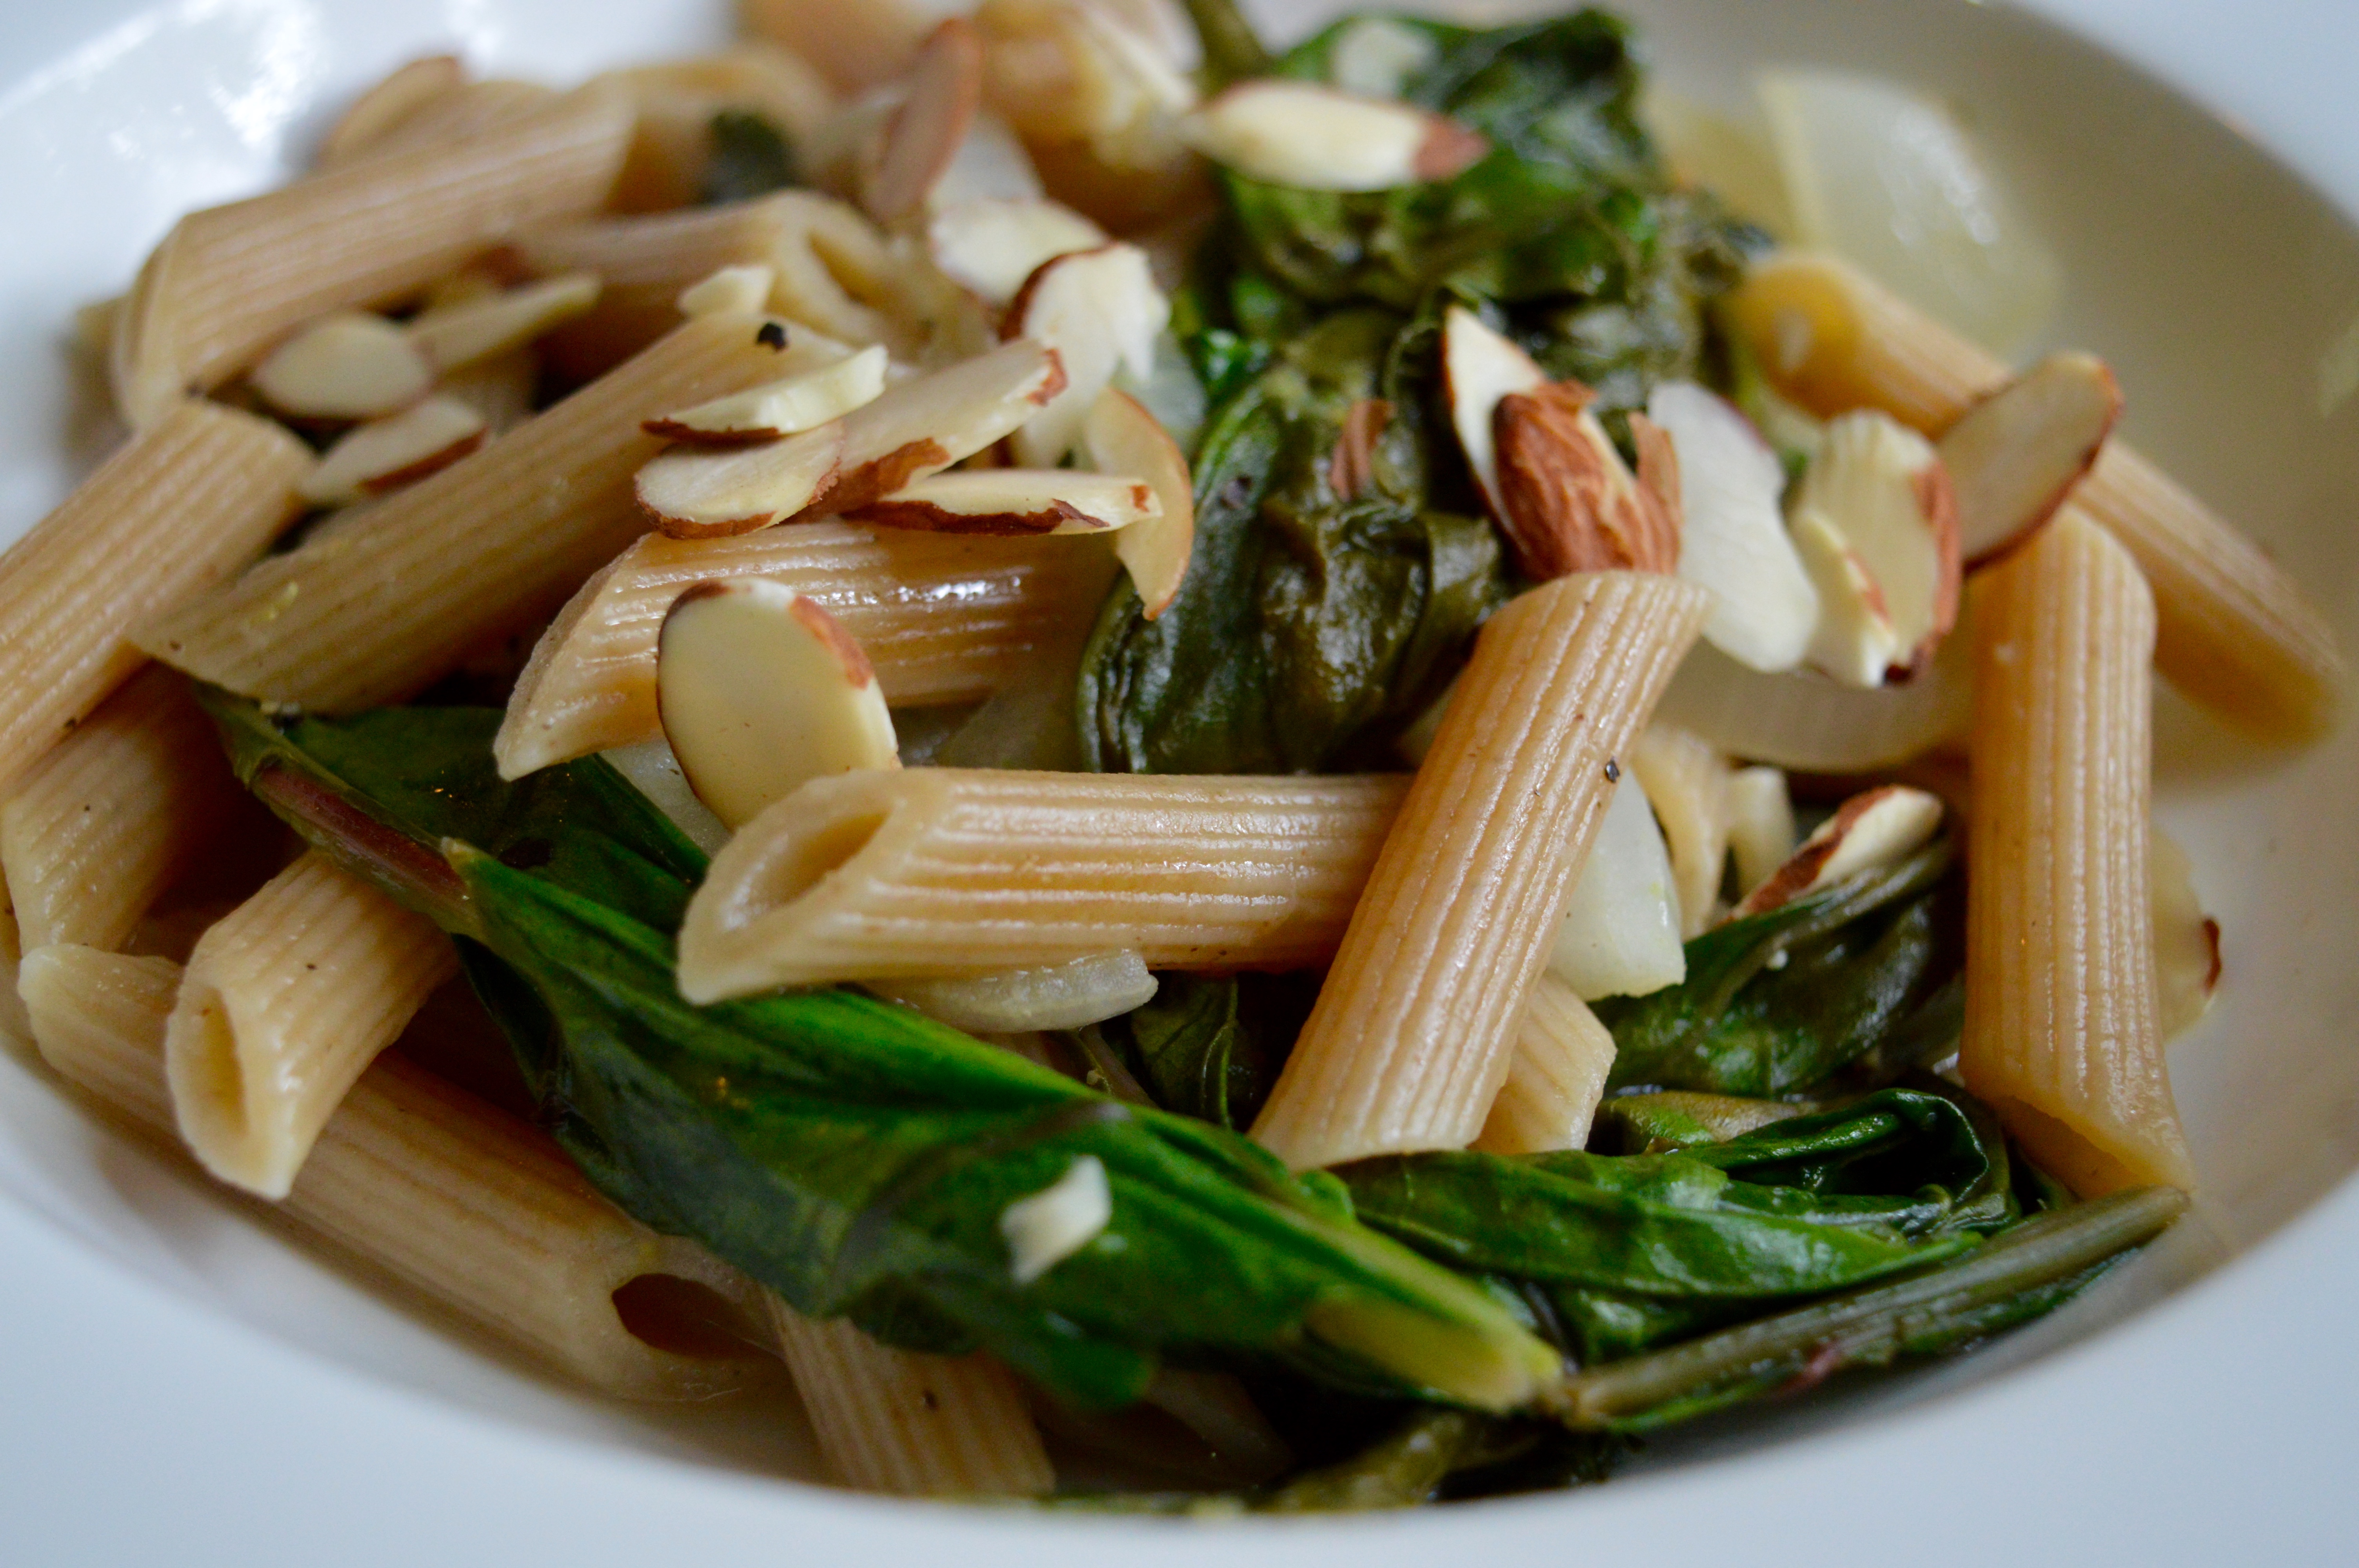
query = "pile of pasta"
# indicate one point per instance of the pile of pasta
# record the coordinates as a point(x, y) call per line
point(825, 460)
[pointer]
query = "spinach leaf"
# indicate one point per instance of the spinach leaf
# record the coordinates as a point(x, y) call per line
point(1783, 1001)
point(1313, 625)
point(851, 1155)
point(1210, 1046)
point(749, 157)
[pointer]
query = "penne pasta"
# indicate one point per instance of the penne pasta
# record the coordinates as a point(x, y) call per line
point(375, 612)
point(1415, 1027)
point(909, 1425)
point(229, 281)
point(941, 619)
point(832, 271)
point(283, 1004)
point(1556, 1079)
point(2061, 1032)
point(184, 505)
point(470, 1208)
point(93, 835)
point(938, 871)
point(2232, 629)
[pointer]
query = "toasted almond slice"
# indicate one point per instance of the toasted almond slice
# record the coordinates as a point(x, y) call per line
point(1015, 500)
point(1102, 312)
point(1317, 138)
point(990, 247)
point(2186, 940)
point(914, 429)
point(1569, 503)
point(390, 102)
point(761, 691)
point(1479, 368)
point(385, 454)
point(2014, 457)
point(924, 134)
point(1733, 538)
point(1869, 832)
point(1884, 489)
point(729, 288)
point(1760, 824)
point(459, 335)
point(350, 365)
point(788, 407)
point(1854, 642)
point(1121, 437)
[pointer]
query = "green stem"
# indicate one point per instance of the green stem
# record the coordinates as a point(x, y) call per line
point(1814, 1341)
point(1232, 50)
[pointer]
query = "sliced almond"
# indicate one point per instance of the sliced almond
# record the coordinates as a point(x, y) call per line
point(990, 247)
point(385, 454)
point(2186, 940)
point(1102, 312)
point(1854, 642)
point(1121, 437)
point(1883, 488)
point(1733, 538)
point(1870, 832)
point(788, 407)
point(2014, 457)
point(390, 102)
point(1317, 138)
point(729, 288)
point(1568, 504)
point(1352, 467)
point(1760, 824)
point(990, 164)
point(761, 691)
point(350, 365)
point(945, 89)
point(1015, 500)
point(1479, 368)
point(459, 335)
point(914, 429)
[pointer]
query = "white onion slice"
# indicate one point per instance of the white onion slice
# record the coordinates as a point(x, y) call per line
point(1808, 723)
point(1621, 933)
point(1065, 996)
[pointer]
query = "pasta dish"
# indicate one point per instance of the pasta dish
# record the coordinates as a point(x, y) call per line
point(1320, 778)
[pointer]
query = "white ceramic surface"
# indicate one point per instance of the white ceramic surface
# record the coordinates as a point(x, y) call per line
point(180, 1379)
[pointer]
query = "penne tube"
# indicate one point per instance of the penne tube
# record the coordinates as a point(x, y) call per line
point(1557, 1078)
point(1415, 1027)
point(920, 872)
point(470, 1208)
point(941, 619)
point(375, 612)
point(909, 1425)
point(284, 1004)
point(2232, 629)
point(95, 832)
point(229, 282)
point(2062, 1030)
point(185, 504)
point(831, 270)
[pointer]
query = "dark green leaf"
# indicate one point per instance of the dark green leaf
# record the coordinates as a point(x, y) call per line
point(1777, 1003)
point(749, 156)
point(1210, 1047)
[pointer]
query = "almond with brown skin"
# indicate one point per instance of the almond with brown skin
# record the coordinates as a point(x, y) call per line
point(1567, 502)
point(1351, 470)
point(1014, 501)
point(1868, 832)
point(2016, 457)
point(945, 89)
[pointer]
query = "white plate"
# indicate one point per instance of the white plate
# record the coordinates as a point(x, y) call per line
point(181, 1383)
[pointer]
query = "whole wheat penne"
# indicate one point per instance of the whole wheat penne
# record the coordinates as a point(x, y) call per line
point(285, 1002)
point(372, 614)
point(831, 270)
point(95, 831)
point(184, 505)
point(472, 1208)
point(1415, 1026)
point(913, 1426)
point(946, 871)
point(229, 281)
point(942, 620)
point(2061, 1032)
point(2233, 631)
point(1557, 1078)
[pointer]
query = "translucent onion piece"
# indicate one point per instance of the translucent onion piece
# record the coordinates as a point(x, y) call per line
point(1808, 723)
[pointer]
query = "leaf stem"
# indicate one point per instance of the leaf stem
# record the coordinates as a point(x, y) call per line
point(1874, 1323)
